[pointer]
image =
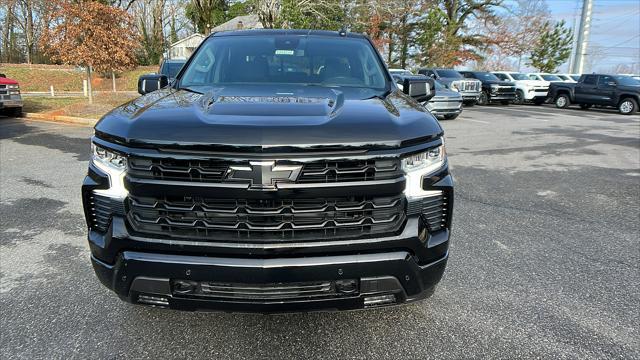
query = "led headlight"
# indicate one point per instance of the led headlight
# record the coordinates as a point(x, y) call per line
point(418, 165)
point(114, 165)
point(454, 87)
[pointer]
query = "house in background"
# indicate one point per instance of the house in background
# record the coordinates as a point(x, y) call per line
point(182, 49)
point(240, 22)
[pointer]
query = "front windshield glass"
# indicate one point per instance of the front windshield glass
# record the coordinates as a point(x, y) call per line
point(449, 74)
point(627, 81)
point(551, 78)
point(349, 64)
point(518, 76)
point(486, 76)
point(439, 85)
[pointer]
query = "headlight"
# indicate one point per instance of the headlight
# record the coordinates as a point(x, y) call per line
point(418, 165)
point(13, 87)
point(114, 165)
point(108, 157)
point(454, 87)
point(425, 162)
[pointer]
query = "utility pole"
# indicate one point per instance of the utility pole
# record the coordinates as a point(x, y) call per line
point(583, 37)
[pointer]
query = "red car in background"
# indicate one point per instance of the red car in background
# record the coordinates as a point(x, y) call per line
point(10, 99)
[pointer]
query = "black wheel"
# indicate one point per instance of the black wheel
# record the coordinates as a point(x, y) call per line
point(585, 106)
point(504, 102)
point(451, 116)
point(470, 102)
point(519, 99)
point(628, 106)
point(483, 99)
point(562, 101)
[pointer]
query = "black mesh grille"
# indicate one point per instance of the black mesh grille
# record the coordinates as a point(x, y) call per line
point(215, 171)
point(266, 220)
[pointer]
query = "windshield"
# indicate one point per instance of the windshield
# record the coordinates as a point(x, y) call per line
point(518, 76)
point(449, 74)
point(486, 76)
point(170, 69)
point(551, 78)
point(627, 81)
point(346, 63)
point(439, 85)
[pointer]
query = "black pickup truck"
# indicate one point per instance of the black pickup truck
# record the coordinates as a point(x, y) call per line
point(619, 91)
point(493, 89)
point(282, 170)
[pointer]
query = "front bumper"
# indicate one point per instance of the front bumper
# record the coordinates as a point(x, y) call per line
point(444, 107)
point(10, 101)
point(502, 97)
point(146, 278)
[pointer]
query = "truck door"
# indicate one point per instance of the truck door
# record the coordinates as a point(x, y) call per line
point(606, 92)
point(586, 90)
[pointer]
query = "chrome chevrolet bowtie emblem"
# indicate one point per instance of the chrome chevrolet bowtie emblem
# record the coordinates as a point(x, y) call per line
point(263, 175)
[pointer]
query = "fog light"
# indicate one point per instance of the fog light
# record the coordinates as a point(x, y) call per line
point(379, 300)
point(153, 300)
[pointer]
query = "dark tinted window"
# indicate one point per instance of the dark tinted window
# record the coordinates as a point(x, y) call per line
point(627, 80)
point(501, 76)
point(283, 59)
point(590, 79)
point(448, 73)
point(604, 80)
point(170, 69)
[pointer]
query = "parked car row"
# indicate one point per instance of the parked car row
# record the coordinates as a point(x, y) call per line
point(505, 87)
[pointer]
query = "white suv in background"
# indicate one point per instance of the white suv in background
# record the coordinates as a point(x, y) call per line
point(526, 89)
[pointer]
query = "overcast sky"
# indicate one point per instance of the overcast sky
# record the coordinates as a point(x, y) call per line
point(615, 35)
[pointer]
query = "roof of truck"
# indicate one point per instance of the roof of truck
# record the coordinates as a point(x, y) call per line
point(271, 32)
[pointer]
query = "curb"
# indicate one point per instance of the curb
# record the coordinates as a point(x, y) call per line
point(60, 118)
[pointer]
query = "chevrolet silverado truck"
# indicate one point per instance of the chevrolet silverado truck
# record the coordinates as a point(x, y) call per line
point(469, 89)
point(527, 90)
point(493, 89)
point(621, 92)
point(10, 98)
point(282, 170)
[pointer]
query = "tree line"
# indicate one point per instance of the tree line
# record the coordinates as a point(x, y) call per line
point(487, 34)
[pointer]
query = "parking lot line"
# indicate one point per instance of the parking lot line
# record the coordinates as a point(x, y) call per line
point(477, 121)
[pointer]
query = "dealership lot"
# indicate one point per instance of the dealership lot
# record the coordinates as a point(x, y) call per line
point(544, 260)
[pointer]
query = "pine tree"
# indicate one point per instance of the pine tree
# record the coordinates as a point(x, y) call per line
point(553, 47)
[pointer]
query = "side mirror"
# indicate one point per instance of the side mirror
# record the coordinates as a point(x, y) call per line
point(420, 88)
point(151, 82)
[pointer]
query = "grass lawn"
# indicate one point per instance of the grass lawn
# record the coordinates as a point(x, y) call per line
point(68, 78)
point(76, 106)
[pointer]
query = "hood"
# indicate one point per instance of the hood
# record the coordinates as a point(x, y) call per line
point(7, 81)
point(497, 82)
point(446, 95)
point(307, 117)
point(532, 83)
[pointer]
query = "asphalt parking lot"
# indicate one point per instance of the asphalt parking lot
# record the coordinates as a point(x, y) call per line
point(544, 257)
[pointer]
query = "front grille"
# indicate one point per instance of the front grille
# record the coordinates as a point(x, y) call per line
point(434, 210)
point(467, 85)
point(506, 89)
point(217, 171)
point(279, 220)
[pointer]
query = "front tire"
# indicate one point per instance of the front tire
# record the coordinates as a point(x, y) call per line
point(483, 99)
point(562, 101)
point(628, 106)
point(519, 99)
